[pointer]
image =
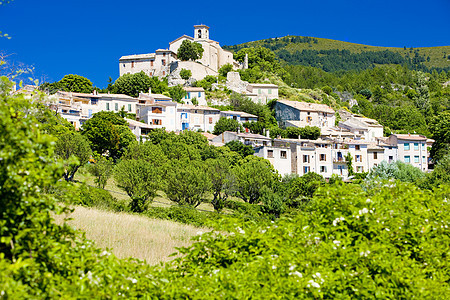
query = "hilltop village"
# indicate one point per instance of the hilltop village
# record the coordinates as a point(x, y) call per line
point(352, 141)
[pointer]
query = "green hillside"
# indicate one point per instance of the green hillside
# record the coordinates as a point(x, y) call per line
point(332, 55)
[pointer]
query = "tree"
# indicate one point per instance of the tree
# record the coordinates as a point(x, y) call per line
point(305, 186)
point(72, 145)
point(440, 131)
point(251, 175)
point(225, 124)
point(440, 174)
point(243, 150)
point(190, 51)
point(349, 162)
point(101, 169)
point(108, 134)
point(223, 71)
point(132, 84)
point(272, 203)
point(177, 93)
point(186, 182)
point(75, 83)
point(139, 179)
point(262, 58)
point(185, 74)
point(222, 181)
point(422, 100)
point(395, 170)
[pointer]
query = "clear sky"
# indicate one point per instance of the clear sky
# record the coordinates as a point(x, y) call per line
point(84, 37)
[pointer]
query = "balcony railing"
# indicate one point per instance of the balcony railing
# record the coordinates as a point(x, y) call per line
point(339, 160)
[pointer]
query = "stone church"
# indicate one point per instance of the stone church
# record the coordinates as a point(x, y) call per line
point(164, 62)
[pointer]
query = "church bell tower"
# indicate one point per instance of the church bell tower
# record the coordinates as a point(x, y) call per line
point(201, 32)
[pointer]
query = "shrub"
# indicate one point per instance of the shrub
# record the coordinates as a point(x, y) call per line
point(99, 198)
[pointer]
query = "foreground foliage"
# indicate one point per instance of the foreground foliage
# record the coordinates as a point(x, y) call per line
point(391, 242)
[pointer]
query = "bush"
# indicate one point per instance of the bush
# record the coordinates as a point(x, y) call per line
point(99, 198)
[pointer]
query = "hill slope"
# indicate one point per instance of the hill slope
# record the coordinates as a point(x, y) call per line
point(332, 55)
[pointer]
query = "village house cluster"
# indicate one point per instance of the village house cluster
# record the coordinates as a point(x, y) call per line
point(361, 137)
point(352, 134)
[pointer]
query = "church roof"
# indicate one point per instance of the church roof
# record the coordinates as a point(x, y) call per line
point(201, 25)
point(181, 37)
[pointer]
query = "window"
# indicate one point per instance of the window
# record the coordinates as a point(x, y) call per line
point(156, 122)
point(359, 169)
point(416, 146)
point(163, 62)
point(156, 110)
point(416, 159)
point(391, 158)
point(129, 107)
point(406, 146)
point(305, 170)
point(283, 154)
point(199, 94)
point(269, 91)
point(210, 120)
point(259, 91)
point(306, 158)
point(124, 65)
point(423, 159)
point(323, 169)
point(407, 159)
point(116, 106)
point(375, 155)
point(323, 157)
point(151, 63)
point(164, 54)
point(164, 73)
point(89, 113)
point(189, 95)
point(107, 106)
point(358, 158)
point(269, 153)
point(132, 64)
point(357, 147)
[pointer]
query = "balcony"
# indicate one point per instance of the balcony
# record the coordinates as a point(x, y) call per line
point(338, 160)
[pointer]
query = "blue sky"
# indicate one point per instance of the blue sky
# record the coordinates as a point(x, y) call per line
point(83, 37)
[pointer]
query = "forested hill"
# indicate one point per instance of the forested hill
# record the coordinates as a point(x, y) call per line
point(332, 56)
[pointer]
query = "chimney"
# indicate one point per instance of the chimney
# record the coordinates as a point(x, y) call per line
point(268, 133)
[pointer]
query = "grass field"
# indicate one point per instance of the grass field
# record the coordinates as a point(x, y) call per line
point(131, 235)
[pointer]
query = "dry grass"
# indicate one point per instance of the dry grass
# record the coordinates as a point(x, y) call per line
point(131, 235)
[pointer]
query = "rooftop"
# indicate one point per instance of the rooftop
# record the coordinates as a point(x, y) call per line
point(137, 123)
point(415, 137)
point(267, 85)
point(138, 56)
point(193, 89)
point(198, 107)
point(306, 106)
point(239, 113)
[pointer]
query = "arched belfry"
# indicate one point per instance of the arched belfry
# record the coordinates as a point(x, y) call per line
point(201, 32)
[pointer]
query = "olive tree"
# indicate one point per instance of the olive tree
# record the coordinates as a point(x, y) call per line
point(186, 182)
point(139, 179)
point(74, 150)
